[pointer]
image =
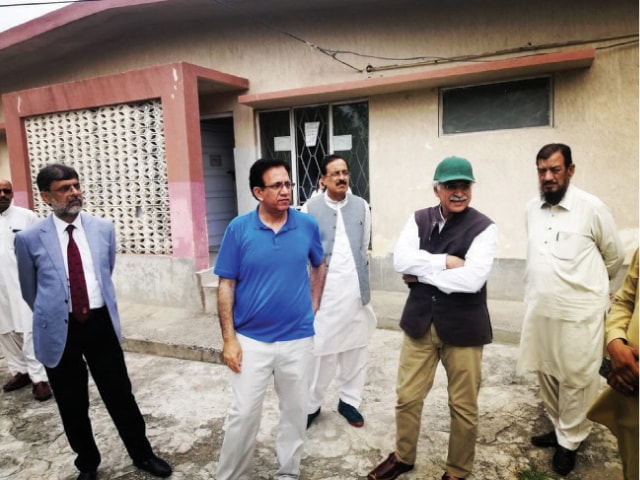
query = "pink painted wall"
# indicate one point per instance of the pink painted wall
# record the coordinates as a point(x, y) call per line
point(177, 87)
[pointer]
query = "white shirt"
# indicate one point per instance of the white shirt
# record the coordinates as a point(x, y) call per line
point(15, 314)
point(430, 268)
point(343, 323)
point(93, 286)
point(573, 250)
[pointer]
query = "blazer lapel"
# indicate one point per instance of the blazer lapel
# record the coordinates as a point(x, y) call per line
point(51, 243)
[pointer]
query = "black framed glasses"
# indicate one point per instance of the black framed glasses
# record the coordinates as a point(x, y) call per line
point(67, 188)
point(6, 191)
point(456, 185)
point(276, 187)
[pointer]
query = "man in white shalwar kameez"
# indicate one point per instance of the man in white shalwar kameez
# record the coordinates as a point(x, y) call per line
point(573, 251)
point(345, 320)
point(15, 315)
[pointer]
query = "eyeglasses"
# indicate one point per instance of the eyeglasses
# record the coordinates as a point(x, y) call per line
point(456, 185)
point(338, 173)
point(67, 188)
point(6, 191)
point(279, 185)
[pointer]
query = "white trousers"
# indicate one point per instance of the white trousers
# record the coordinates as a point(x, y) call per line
point(289, 364)
point(349, 370)
point(18, 350)
point(567, 408)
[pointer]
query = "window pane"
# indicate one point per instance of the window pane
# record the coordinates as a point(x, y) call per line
point(352, 121)
point(497, 106)
point(273, 126)
point(348, 128)
point(311, 147)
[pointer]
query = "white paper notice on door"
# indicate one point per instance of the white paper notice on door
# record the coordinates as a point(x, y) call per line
point(281, 144)
point(341, 143)
point(311, 133)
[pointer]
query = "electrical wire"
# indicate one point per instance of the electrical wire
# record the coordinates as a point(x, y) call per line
point(428, 59)
point(31, 4)
point(411, 61)
point(325, 51)
point(533, 49)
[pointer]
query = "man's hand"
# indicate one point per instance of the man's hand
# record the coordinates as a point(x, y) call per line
point(317, 277)
point(624, 367)
point(451, 261)
point(232, 354)
point(454, 262)
point(409, 279)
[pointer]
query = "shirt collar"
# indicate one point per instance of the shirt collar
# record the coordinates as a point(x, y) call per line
point(289, 224)
point(441, 220)
point(336, 204)
point(61, 225)
point(7, 211)
point(566, 202)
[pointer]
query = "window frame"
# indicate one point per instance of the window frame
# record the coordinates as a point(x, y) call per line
point(292, 135)
point(551, 101)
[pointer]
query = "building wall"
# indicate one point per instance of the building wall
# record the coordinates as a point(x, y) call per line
point(592, 114)
point(595, 110)
point(5, 171)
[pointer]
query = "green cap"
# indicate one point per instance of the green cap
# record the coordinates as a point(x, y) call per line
point(454, 168)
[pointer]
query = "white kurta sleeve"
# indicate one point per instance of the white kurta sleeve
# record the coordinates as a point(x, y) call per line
point(477, 266)
point(608, 240)
point(431, 268)
point(367, 226)
point(409, 259)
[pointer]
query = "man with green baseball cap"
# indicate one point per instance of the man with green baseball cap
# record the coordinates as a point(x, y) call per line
point(445, 254)
point(454, 168)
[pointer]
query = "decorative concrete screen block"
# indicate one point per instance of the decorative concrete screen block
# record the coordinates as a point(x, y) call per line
point(119, 152)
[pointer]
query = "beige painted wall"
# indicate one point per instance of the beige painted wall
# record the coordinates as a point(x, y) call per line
point(595, 110)
point(596, 116)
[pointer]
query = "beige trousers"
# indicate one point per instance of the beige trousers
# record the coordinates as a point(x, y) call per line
point(418, 361)
point(567, 408)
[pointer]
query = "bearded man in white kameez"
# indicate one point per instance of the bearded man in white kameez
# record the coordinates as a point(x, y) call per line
point(573, 251)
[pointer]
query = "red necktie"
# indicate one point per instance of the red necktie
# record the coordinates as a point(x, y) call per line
point(77, 283)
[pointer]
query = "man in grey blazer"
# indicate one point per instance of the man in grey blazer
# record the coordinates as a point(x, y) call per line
point(69, 338)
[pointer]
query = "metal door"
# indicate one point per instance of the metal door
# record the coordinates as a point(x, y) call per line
point(219, 177)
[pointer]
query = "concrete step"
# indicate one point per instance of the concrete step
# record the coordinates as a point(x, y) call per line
point(506, 315)
point(181, 333)
point(208, 283)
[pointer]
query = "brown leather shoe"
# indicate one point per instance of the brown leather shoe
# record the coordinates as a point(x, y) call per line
point(41, 391)
point(389, 469)
point(19, 380)
point(446, 476)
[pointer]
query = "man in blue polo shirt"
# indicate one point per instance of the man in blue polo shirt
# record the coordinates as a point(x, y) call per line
point(267, 298)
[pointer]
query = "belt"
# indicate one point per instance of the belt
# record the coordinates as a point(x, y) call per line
point(93, 312)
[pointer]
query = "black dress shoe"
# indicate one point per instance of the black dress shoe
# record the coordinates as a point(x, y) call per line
point(88, 475)
point(351, 413)
point(312, 416)
point(564, 460)
point(546, 440)
point(155, 466)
